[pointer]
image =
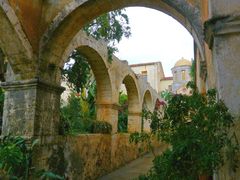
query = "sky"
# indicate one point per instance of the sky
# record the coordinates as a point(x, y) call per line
point(155, 37)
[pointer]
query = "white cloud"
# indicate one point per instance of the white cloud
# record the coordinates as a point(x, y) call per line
point(155, 37)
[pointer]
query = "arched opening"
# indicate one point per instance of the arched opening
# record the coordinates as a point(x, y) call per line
point(123, 109)
point(147, 106)
point(84, 12)
point(133, 104)
point(147, 101)
point(88, 89)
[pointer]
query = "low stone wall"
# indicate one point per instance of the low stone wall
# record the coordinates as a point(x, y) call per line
point(86, 156)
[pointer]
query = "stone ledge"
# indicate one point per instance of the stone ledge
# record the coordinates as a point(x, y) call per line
point(221, 25)
point(26, 84)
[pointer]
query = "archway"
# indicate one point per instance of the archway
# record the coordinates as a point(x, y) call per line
point(102, 78)
point(147, 101)
point(64, 24)
point(147, 106)
point(134, 110)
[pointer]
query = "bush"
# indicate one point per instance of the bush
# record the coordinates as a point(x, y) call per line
point(76, 117)
point(198, 130)
point(101, 127)
point(16, 160)
point(15, 157)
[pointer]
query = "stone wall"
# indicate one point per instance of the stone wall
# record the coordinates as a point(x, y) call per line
point(86, 156)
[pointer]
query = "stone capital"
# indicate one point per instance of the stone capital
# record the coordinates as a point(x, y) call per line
point(222, 25)
point(32, 83)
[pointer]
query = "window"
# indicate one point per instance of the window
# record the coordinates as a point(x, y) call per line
point(183, 75)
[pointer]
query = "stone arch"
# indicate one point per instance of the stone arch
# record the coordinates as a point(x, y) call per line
point(100, 71)
point(133, 93)
point(147, 104)
point(14, 43)
point(134, 109)
point(147, 101)
point(64, 25)
point(96, 54)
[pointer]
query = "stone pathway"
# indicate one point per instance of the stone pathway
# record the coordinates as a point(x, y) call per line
point(131, 170)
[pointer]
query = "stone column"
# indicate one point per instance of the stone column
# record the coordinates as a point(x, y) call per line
point(146, 126)
point(223, 37)
point(109, 113)
point(31, 108)
point(134, 121)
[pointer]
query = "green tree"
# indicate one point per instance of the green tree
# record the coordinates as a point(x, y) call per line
point(111, 27)
point(77, 74)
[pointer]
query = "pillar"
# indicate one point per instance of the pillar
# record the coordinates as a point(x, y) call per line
point(146, 126)
point(108, 112)
point(223, 37)
point(31, 108)
point(134, 121)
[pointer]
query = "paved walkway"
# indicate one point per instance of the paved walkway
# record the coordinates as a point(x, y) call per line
point(131, 170)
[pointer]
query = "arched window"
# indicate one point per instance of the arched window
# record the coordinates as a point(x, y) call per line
point(183, 74)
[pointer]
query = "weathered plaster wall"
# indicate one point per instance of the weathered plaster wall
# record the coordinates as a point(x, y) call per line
point(87, 156)
point(154, 73)
point(223, 7)
point(223, 37)
point(164, 84)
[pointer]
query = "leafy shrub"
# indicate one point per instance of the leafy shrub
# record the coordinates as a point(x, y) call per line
point(15, 157)
point(198, 130)
point(142, 138)
point(101, 127)
point(46, 175)
point(16, 160)
point(76, 117)
point(123, 113)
